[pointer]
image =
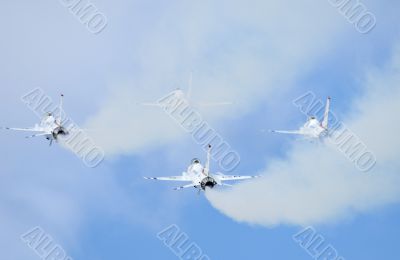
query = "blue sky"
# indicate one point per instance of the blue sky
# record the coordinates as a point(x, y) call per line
point(259, 54)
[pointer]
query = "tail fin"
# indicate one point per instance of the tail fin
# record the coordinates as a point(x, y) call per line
point(324, 123)
point(60, 109)
point(207, 166)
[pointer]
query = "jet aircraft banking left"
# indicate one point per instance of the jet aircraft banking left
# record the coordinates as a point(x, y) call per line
point(50, 126)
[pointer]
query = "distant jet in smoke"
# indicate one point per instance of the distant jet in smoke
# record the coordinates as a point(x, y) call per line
point(187, 97)
point(313, 128)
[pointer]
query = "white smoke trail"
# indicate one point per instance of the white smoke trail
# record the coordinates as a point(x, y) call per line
point(316, 185)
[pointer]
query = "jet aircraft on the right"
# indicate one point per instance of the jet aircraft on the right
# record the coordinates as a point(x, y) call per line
point(313, 128)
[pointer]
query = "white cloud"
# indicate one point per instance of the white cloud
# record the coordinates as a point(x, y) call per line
point(240, 51)
point(315, 185)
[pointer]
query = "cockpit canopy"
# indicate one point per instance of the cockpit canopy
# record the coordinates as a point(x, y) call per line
point(195, 161)
point(312, 117)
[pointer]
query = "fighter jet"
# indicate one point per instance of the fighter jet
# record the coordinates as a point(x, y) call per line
point(187, 97)
point(50, 126)
point(200, 176)
point(313, 128)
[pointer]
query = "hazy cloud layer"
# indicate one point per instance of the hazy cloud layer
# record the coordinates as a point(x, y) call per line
point(237, 52)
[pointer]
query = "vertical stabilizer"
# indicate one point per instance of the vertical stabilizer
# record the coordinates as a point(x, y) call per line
point(324, 123)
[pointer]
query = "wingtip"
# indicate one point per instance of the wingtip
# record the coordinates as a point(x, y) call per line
point(266, 131)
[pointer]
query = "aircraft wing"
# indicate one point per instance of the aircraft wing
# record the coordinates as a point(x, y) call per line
point(213, 104)
point(35, 135)
point(235, 177)
point(186, 186)
point(294, 132)
point(149, 104)
point(169, 178)
point(32, 129)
